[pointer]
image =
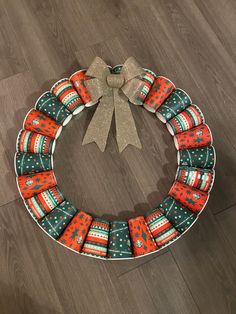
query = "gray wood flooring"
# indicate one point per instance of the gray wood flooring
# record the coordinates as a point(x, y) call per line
point(191, 42)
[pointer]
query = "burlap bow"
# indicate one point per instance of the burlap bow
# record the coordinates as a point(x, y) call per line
point(113, 91)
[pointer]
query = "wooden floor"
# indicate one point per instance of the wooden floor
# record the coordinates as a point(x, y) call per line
point(191, 42)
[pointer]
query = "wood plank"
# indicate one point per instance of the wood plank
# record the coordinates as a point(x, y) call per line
point(120, 268)
point(40, 274)
point(208, 265)
point(156, 287)
point(17, 95)
point(27, 283)
point(12, 60)
point(226, 220)
point(224, 28)
point(32, 42)
point(207, 87)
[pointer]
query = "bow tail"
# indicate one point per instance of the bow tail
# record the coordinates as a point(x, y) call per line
point(100, 124)
point(126, 132)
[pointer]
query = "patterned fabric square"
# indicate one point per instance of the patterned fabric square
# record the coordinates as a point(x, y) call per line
point(97, 238)
point(76, 231)
point(141, 237)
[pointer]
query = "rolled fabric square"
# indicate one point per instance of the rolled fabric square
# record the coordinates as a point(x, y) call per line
point(42, 203)
point(76, 231)
point(161, 228)
point(159, 92)
point(36, 121)
point(194, 138)
point(66, 93)
point(27, 163)
point(97, 238)
point(141, 237)
point(119, 240)
point(201, 179)
point(190, 197)
point(187, 119)
point(180, 217)
point(53, 108)
point(174, 104)
point(78, 79)
point(32, 184)
point(31, 142)
point(203, 157)
point(56, 221)
point(148, 80)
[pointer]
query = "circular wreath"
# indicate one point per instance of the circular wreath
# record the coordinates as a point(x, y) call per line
point(93, 236)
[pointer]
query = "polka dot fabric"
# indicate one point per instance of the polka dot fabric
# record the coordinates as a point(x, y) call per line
point(27, 163)
point(174, 104)
point(56, 221)
point(119, 240)
point(181, 217)
point(96, 237)
point(53, 108)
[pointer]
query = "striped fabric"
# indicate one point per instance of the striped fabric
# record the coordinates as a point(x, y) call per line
point(97, 238)
point(66, 93)
point(148, 79)
point(187, 119)
point(201, 179)
point(44, 202)
point(162, 230)
point(31, 142)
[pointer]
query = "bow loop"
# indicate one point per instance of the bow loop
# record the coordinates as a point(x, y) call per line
point(96, 88)
point(131, 69)
point(98, 69)
point(113, 91)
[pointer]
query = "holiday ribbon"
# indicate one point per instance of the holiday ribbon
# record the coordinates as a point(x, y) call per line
point(114, 91)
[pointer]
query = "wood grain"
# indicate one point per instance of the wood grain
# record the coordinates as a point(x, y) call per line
point(191, 42)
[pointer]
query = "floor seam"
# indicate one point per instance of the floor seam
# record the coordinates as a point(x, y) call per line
point(128, 271)
point(224, 209)
point(10, 202)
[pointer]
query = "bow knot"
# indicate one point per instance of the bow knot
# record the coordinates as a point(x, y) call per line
point(114, 91)
point(115, 80)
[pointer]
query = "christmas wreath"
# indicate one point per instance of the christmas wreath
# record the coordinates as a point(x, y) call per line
point(114, 90)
